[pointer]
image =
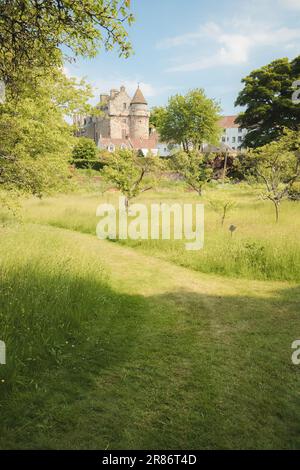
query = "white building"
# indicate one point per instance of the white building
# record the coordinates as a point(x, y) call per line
point(232, 135)
point(166, 149)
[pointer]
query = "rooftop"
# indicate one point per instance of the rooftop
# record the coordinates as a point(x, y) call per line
point(138, 97)
point(228, 122)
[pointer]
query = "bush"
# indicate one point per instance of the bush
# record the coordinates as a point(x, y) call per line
point(85, 154)
point(294, 192)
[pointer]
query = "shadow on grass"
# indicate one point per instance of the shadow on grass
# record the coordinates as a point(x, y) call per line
point(91, 368)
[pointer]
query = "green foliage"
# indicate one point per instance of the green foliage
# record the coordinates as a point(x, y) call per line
point(277, 166)
point(36, 141)
point(32, 33)
point(189, 120)
point(242, 167)
point(132, 174)
point(157, 115)
point(84, 154)
point(267, 94)
point(294, 192)
point(195, 168)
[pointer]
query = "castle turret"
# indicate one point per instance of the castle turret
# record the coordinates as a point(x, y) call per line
point(139, 116)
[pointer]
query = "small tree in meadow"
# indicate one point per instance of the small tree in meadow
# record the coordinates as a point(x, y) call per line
point(222, 207)
point(277, 166)
point(130, 173)
point(194, 167)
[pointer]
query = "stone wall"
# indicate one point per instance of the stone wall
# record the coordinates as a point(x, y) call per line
point(139, 121)
point(120, 120)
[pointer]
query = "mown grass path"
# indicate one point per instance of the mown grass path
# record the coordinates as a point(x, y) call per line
point(171, 358)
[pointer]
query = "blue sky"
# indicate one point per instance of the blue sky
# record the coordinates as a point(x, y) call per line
point(183, 44)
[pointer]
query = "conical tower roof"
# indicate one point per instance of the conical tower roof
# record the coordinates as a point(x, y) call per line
point(138, 97)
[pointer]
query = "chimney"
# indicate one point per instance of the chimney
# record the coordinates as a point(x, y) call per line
point(103, 98)
point(113, 93)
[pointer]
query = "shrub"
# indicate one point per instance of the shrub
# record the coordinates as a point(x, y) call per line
point(294, 192)
point(85, 154)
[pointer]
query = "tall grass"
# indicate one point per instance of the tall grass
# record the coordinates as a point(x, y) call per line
point(259, 249)
point(94, 362)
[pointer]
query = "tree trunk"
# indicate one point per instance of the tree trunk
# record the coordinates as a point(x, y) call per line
point(223, 217)
point(276, 210)
point(225, 167)
point(126, 204)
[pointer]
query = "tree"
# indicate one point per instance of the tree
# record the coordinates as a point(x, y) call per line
point(222, 207)
point(267, 95)
point(156, 116)
point(277, 166)
point(32, 33)
point(130, 173)
point(85, 152)
point(189, 120)
point(194, 167)
point(36, 141)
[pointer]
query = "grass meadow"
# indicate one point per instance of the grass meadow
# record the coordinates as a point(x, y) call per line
point(140, 344)
point(258, 249)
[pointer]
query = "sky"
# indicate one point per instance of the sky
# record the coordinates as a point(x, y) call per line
point(184, 44)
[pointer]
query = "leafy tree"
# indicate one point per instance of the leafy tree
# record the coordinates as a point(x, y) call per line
point(189, 120)
point(85, 153)
point(130, 173)
point(36, 141)
point(33, 31)
point(194, 167)
point(277, 166)
point(267, 95)
point(156, 116)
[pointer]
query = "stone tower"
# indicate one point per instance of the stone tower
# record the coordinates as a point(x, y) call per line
point(139, 116)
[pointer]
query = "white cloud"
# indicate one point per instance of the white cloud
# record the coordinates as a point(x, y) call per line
point(291, 4)
point(181, 40)
point(233, 48)
point(149, 90)
point(104, 85)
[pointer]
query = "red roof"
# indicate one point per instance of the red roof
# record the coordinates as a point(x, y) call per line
point(138, 97)
point(136, 144)
point(117, 142)
point(150, 143)
point(228, 122)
